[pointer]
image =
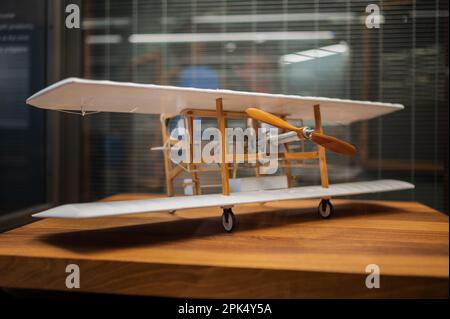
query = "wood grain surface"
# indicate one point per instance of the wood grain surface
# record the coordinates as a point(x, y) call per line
point(279, 250)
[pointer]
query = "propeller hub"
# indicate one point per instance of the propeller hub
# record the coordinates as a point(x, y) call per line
point(307, 132)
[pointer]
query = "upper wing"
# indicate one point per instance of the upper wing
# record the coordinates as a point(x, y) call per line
point(103, 209)
point(75, 94)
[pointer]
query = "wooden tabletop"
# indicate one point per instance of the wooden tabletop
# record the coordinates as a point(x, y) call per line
point(280, 250)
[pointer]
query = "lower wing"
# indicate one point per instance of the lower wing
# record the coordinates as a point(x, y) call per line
point(115, 208)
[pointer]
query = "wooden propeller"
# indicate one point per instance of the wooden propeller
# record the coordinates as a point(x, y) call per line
point(329, 142)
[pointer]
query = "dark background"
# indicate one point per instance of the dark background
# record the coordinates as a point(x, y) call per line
point(49, 157)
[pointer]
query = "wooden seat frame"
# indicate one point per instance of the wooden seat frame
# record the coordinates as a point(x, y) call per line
point(172, 171)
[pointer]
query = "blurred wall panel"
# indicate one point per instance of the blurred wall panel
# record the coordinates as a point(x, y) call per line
point(22, 129)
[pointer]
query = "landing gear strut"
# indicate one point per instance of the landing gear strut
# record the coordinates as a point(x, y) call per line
point(325, 208)
point(228, 220)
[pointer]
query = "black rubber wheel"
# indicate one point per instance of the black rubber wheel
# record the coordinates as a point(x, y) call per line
point(325, 208)
point(228, 220)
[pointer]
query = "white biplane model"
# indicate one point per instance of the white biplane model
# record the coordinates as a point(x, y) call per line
point(89, 96)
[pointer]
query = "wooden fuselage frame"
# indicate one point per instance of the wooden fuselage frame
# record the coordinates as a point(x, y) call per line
point(288, 156)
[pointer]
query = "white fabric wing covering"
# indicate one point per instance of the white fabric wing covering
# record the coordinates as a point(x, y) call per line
point(83, 95)
point(104, 209)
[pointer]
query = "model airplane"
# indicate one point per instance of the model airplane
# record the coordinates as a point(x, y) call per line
point(88, 96)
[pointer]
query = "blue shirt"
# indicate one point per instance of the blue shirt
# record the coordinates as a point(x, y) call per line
point(199, 76)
